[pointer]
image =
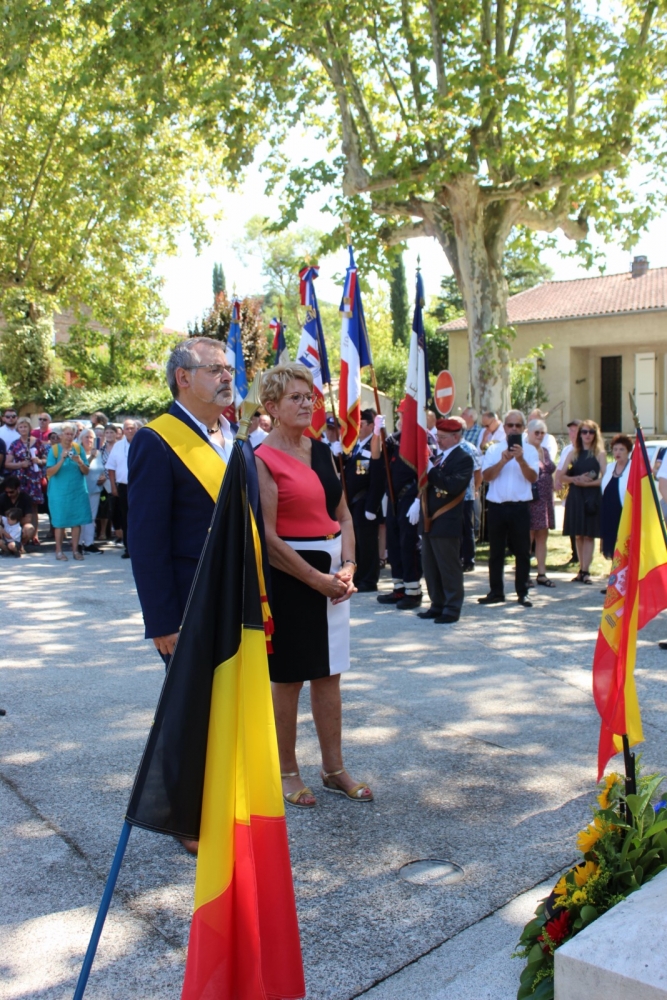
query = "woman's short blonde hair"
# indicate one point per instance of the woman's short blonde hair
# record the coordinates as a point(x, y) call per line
point(24, 420)
point(276, 380)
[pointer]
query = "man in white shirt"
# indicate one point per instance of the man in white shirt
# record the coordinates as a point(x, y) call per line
point(8, 431)
point(510, 469)
point(255, 433)
point(492, 430)
point(117, 472)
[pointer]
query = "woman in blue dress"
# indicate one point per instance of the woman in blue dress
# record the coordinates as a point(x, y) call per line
point(69, 507)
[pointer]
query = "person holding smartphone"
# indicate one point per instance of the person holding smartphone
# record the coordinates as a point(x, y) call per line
point(510, 468)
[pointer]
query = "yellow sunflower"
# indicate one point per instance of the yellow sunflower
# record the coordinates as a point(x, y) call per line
point(587, 838)
point(603, 797)
point(582, 873)
point(561, 887)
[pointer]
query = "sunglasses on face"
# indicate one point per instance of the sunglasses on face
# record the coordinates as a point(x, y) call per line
point(587, 430)
point(519, 426)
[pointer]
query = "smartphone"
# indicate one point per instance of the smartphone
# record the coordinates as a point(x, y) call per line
point(513, 439)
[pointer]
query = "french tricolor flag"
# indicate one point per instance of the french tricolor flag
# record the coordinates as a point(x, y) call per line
point(355, 354)
point(413, 448)
point(312, 350)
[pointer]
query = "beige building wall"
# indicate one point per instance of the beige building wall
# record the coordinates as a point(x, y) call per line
point(572, 372)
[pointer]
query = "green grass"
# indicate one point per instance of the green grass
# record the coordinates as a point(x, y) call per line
point(558, 556)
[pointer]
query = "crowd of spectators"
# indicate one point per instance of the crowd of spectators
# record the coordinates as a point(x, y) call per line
point(67, 471)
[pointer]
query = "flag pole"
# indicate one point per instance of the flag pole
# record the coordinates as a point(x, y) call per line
point(629, 759)
point(374, 384)
point(102, 912)
point(642, 445)
point(341, 464)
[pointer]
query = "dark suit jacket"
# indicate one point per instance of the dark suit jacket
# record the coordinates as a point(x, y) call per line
point(450, 480)
point(169, 513)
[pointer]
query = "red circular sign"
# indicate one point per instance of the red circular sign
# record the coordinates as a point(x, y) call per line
point(444, 393)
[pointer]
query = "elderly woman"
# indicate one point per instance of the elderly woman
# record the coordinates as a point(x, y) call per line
point(105, 509)
point(310, 541)
point(25, 458)
point(614, 484)
point(586, 466)
point(542, 507)
point(66, 469)
point(94, 483)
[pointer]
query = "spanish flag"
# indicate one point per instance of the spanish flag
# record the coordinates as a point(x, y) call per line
point(636, 593)
point(210, 772)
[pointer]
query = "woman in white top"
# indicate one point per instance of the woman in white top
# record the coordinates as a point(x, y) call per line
point(614, 485)
point(95, 482)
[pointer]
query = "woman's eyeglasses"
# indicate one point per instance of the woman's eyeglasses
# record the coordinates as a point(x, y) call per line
point(587, 430)
point(301, 397)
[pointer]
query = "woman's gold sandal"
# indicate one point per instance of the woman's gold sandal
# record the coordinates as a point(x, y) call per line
point(294, 798)
point(353, 793)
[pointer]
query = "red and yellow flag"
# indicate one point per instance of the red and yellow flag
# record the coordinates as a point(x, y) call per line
point(636, 593)
point(210, 770)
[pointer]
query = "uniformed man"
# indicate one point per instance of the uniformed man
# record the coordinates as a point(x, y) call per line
point(442, 520)
point(403, 546)
point(364, 518)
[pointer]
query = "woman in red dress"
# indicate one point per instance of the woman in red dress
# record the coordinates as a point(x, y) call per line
point(310, 541)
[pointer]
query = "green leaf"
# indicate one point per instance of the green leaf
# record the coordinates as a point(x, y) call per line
point(588, 914)
point(535, 954)
point(656, 828)
point(634, 804)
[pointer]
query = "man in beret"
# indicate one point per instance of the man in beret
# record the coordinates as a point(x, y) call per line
point(365, 519)
point(449, 475)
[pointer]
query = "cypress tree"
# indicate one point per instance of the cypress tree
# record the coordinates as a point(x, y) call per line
point(219, 283)
point(398, 291)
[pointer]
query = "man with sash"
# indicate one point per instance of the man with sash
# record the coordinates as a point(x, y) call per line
point(176, 466)
point(449, 474)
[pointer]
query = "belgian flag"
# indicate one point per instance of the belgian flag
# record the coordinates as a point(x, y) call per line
point(210, 771)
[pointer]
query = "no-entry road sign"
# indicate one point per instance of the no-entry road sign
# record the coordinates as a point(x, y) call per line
point(444, 393)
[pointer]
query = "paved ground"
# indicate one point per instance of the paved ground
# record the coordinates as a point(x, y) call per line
point(479, 741)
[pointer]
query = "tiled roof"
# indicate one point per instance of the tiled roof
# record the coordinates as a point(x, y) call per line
point(606, 295)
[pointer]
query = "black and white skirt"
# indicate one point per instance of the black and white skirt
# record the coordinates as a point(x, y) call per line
point(312, 635)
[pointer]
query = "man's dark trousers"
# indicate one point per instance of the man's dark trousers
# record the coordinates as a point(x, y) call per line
point(367, 551)
point(509, 526)
point(444, 574)
point(403, 542)
point(468, 533)
point(122, 508)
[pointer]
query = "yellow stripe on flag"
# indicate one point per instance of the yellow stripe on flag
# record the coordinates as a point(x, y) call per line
point(242, 768)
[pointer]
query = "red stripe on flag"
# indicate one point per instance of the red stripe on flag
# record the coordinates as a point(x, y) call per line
point(225, 955)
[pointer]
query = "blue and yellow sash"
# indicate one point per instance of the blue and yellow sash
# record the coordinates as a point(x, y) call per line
point(208, 468)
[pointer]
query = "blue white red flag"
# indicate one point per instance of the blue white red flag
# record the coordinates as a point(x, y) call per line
point(279, 343)
point(355, 354)
point(414, 438)
point(312, 350)
point(235, 357)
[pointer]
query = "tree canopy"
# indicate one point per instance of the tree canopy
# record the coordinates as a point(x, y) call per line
point(459, 121)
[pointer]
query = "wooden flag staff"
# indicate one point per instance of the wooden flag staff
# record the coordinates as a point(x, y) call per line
point(374, 384)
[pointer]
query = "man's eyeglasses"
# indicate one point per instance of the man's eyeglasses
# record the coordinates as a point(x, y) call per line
point(519, 426)
point(43, 420)
point(301, 397)
point(216, 370)
point(10, 416)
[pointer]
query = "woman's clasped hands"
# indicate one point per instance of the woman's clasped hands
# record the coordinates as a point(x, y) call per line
point(338, 587)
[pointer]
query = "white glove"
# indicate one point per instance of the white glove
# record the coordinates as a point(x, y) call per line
point(413, 512)
point(378, 424)
point(336, 448)
point(369, 516)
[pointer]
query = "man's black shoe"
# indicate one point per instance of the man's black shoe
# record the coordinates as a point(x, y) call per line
point(91, 548)
point(468, 567)
point(367, 588)
point(445, 619)
point(125, 555)
point(431, 613)
point(524, 601)
point(409, 603)
point(663, 644)
point(393, 598)
point(491, 599)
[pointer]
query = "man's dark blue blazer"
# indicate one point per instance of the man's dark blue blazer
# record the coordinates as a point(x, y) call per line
point(169, 513)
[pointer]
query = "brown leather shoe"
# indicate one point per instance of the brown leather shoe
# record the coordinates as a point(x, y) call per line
point(191, 846)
